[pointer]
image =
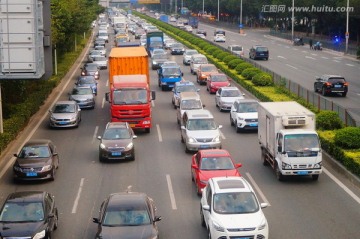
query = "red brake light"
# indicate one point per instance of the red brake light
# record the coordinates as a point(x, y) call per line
point(346, 84)
point(327, 83)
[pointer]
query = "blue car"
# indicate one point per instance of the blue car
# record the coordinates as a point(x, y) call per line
point(168, 76)
point(87, 81)
point(182, 86)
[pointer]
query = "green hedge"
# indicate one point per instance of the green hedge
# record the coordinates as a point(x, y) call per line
point(328, 120)
point(229, 58)
point(348, 138)
point(233, 63)
point(249, 73)
point(242, 66)
point(262, 79)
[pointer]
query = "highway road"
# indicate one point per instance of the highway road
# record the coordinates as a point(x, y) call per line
point(299, 207)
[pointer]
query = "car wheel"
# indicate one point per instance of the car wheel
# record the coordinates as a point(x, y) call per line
point(238, 130)
point(315, 177)
point(133, 157)
point(101, 159)
point(323, 91)
point(343, 94)
point(49, 236)
point(209, 233)
point(315, 89)
point(207, 89)
point(182, 139)
point(198, 190)
point(186, 149)
point(53, 172)
point(279, 175)
point(202, 218)
point(56, 223)
point(231, 121)
point(191, 71)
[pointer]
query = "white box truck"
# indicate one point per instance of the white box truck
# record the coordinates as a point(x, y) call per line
point(288, 140)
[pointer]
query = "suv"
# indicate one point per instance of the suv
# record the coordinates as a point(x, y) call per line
point(236, 49)
point(199, 131)
point(230, 209)
point(328, 84)
point(244, 114)
point(117, 142)
point(259, 52)
point(187, 56)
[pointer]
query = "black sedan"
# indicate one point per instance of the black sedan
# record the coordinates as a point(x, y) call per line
point(37, 160)
point(127, 215)
point(29, 214)
point(328, 84)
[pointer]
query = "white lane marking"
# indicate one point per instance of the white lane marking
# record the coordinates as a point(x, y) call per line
point(349, 65)
point(254, 40)
point(292, 66)
point(153, 103)
point(281, 57)
point(341, 185)
point(324, 57)
point(159, 132)
point(313, 54)
point(287, 47)
point(222, 135)
point(304, 51)
point(295, 49)
point(107, 83)
point(232, 40)
point(78, 196)
point(103, 102)
point(336, 61)
point(257, 188)
point(309, 57)
point(32, 132)
point(171, 192)
point(94, 135)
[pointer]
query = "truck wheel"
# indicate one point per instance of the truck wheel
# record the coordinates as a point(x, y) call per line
point(279, 176)
point(315, 177)
point(263, 158)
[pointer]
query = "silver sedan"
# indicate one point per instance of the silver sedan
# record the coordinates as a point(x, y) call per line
point(65, 114)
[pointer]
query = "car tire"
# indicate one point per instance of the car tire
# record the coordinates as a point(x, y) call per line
point(343, 94)
point(53, 172)
point(203, 224)
point(101, 159)
point(186, 149)
point(133, 156)
point(231, 121)
point(238, 130)
point(315, 177)
point(323, 92)
point(315, 89)
point(56, 224)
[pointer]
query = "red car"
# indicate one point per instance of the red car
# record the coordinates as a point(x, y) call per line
point(215, 81)
point(209, 163)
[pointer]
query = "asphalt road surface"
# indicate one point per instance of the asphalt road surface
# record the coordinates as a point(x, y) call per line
point(299, 207)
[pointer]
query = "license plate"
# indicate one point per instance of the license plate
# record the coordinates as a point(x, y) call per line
point(62, 122)
point(132, 125)
point(204, 146)
point(253, 124)
point(337, 86)
point(302, 173)
point(31, 174)
point(261, 54)
point(116, 153)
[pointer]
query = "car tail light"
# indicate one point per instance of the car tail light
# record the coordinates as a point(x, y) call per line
point(327, 84)
point(346, 84)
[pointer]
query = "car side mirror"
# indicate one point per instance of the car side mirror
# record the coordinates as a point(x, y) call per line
point(157, 218)
point(15, 155)
point(183, 127)
point(197, 90)
point(107, 97)
point(96, 220)
point(99, 137)
point(153, 95)
point(79, 110)
point(206, 207)
point(51, 215)
point(238, 165)
point(203, 106)
point(264, 205)
point(220, 126)
point(194, 166)
point(134, 136)
point(182, 73)
point(55, 154)
point(279, 148)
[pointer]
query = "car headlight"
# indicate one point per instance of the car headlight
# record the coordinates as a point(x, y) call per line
point(202, 75)
point(129, 146)
point(17, 168)
point(40, 235)
point(318, 165)
point(46, 168)
point(262, 224)
point(286, 166)
point(216, 139)
point(73, 118)
point(154, 62)
point(240, 119)
point(102, 146)
point(52, 118)
point(218, 227)
point(191, 140)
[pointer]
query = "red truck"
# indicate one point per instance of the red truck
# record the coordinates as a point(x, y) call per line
point(130, 96)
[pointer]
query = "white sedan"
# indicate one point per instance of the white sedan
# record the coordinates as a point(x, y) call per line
point(219, 38)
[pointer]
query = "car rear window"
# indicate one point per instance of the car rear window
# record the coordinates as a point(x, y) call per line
point(336, 80)
point(261, 49)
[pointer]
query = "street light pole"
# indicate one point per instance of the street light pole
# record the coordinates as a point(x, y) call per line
point(241, 12)
point(292, 21)
point(203, 7)
point(218, 19)
point(347, 28)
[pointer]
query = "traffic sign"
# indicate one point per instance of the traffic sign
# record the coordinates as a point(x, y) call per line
point(347, 34)
point(241, 25)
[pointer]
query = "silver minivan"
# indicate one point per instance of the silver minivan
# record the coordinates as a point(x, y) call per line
point(200, 131)
point(188, 101)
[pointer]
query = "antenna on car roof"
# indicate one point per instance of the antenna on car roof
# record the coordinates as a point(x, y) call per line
point(128, 190)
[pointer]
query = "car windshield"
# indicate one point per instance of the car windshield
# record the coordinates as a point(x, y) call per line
point(100, 58)
point(34, 152)
point(219, 78)
point(91, 68)
point(200, 60)
point(126, 217)
point(209, 69)
point(261, 49)
point(235, 203)
point(156, 44)
point(201, 124)
point(159, 56)
point(177, 45)
point(186, 88)
point(230, 93)
point(336, 80)
point(190, 53)
point(130, 97)
point(22, 212)
point(237, 48)
point(81, 91)
point(103, 34)
point(300, 145)
point(86, 80)
point(247, 107)
point(171, 71)
point(216, 163)
point(116, 133)
point(190, 104)
point(64, 108)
